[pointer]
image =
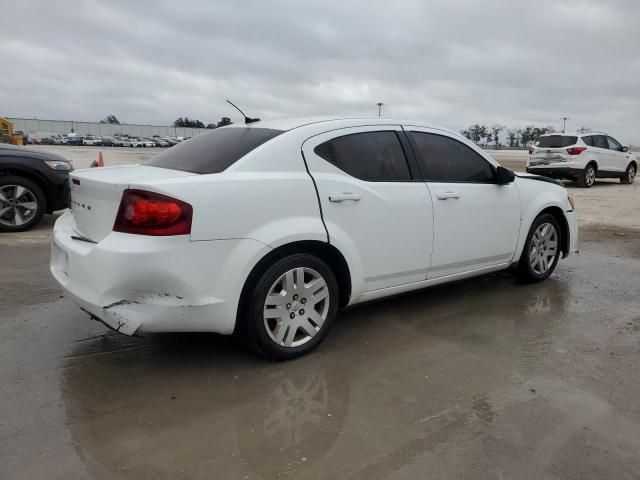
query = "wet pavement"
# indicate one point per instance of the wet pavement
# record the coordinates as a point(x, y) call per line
point(484, 378)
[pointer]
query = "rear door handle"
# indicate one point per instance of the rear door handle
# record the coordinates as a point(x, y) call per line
point(342, 197)
point(447, 195)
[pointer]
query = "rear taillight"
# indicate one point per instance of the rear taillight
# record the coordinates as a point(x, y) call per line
point(149, 213)
point(576, 150)
point(531, 151)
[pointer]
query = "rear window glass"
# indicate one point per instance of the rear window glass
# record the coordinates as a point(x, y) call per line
point(555, 141)
point(212, 152)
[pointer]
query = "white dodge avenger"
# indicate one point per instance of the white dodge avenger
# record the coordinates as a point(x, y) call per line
point(267, 229)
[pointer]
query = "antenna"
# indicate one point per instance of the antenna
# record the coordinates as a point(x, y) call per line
point(246, 119)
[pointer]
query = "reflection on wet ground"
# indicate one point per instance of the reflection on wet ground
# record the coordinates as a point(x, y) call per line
point(484, 378)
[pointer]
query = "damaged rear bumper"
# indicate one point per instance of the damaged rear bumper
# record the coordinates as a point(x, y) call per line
point(137, 284)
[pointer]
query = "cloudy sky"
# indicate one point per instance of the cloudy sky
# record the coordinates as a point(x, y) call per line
point(452, 62)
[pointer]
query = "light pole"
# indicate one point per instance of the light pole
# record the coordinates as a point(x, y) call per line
point(380, 104)
point(564, 123)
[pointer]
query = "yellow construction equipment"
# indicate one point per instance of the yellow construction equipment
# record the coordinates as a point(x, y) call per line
point(7, 134)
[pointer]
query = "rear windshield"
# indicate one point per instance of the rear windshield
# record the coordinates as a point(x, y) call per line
point(212, 152)
point(555, 141)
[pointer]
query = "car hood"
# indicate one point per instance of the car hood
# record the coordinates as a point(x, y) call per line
point(539, 178)
point(16, 151)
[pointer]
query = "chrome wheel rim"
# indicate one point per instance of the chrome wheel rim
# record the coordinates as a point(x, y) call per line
point(543, 248)
point(631, 174)
point(296, 307)
point(18, 205)
point(590, 177)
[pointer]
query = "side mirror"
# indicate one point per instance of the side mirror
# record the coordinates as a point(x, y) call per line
point(624, 149)
point(504, 176)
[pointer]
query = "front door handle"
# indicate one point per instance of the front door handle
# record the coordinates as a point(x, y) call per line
point(447, 195)
point(342, 197)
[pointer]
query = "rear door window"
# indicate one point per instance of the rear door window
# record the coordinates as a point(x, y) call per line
point(444, 159)
point(555, 141)
point(600, 141)
point(214, 151)
point(370, 156)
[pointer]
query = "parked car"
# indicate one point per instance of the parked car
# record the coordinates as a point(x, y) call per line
point(266, 230)
point(582, 157)
point(117, 142)
point(32, 183)
point(126, 142)
point(146, 142)
point(90, 140)
point(74, 140)
point(159, 142)
point(106, 141)
point(136, 142)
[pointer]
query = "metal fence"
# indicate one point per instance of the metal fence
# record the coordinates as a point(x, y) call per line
point(43, 128)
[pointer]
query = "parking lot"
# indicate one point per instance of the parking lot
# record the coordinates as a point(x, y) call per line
point(484, 378)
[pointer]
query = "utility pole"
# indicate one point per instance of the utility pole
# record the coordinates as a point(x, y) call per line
point(564, 123)
point(380, 104)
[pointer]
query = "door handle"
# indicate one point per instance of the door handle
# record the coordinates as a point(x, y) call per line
point(446, 195)
point(342, 197)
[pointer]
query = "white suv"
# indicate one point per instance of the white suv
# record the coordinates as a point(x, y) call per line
point(582, 157)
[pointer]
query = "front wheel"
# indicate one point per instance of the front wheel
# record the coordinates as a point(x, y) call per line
point(292, 307)
point(541, 250)
point(22, 204)
point(629, 175)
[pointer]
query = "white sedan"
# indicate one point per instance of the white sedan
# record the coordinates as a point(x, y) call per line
point(267, 229)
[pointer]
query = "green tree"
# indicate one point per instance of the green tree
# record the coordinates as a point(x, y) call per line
point(476, 132)
point(511, 135)
point(187, 122)
point(495, 131)
point(111, 119)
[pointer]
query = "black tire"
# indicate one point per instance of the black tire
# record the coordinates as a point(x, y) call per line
point(588, 177)
point(525, 271)
point(252, 322)
point(629, 174)
point(35, 190)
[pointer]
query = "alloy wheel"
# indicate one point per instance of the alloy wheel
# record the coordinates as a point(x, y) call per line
point(543, 248)
point(18, 205)
point(631, 174)
point(590, 176)
point(296, 307)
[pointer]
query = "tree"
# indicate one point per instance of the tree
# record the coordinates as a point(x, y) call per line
point(511, 135)
point(187, 122)
point(110, 119)
point(495, 131)
point(476, 132)
point(224, 121)
point(531, 133)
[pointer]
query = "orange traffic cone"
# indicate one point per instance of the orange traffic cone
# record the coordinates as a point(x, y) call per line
point(100, 160)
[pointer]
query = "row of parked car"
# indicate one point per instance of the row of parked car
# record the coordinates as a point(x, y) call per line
point(107, 141)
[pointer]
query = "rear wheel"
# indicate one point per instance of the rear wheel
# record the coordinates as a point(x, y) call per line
point(629, 175)
point(22, 204)
point(292, 307)
point(588, 177)
point(541, 250)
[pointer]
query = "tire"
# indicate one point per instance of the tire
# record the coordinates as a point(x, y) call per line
point(588, 177)
point(23, 212)
point(286, 317)
point(536, 265)
point(629, 174)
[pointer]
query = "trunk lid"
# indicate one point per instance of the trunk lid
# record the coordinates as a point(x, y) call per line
point(552, 148)
point(96, 194)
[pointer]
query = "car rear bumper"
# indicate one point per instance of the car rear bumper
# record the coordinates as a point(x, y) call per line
point(136, 284)
point(556, 172)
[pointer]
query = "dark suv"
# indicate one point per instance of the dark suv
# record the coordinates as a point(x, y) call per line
point(32, 183)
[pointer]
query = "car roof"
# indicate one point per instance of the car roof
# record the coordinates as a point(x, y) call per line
point(572, 134)
point(333, 122)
